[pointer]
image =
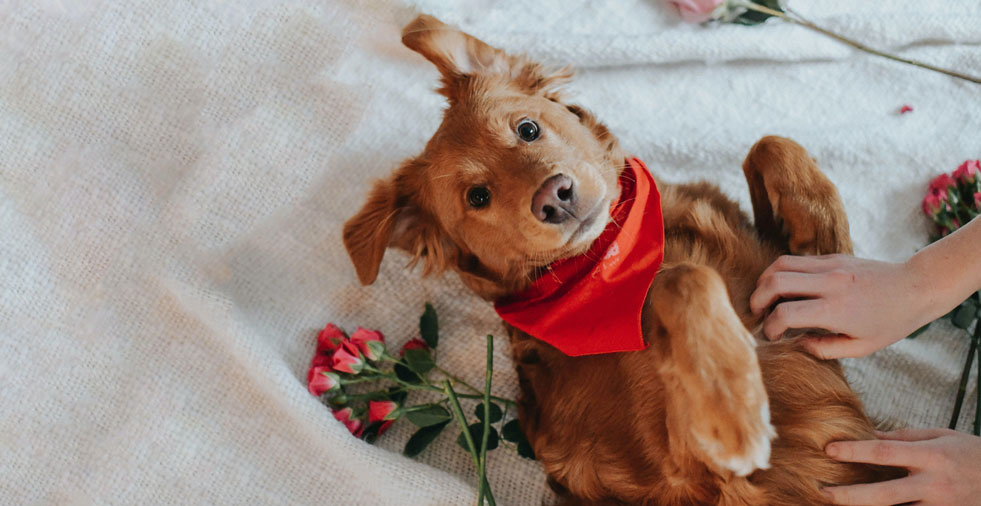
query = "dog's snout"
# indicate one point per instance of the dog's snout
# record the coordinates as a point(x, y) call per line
point(553, 201)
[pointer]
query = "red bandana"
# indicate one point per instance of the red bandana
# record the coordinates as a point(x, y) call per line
point(591, 303)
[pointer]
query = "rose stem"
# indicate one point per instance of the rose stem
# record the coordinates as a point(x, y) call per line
point(482, 469)
point(458, 414)
point(963, 385)
point(853, 43)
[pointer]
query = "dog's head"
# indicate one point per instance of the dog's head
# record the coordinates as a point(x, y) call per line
point(512, 180)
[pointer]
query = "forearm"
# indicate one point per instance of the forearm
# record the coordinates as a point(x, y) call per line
point(947, 271)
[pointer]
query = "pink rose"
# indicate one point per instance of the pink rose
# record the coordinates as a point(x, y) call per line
point(696, 11)
point(322, 379)
point(942, 182)
point(354, 425)
point(370, 342)
point(414, 344)
point(934, 202)
point(330, 339)
point(967, 173)
point(348, 359)
point(382, 411)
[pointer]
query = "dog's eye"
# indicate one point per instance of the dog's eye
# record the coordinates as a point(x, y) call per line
point(528, 130)
point(478, 197)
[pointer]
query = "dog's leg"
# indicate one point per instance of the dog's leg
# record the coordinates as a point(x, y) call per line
point(717, 408)
point(794, 204)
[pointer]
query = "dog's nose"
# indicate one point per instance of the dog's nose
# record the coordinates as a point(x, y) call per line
point(552, 201)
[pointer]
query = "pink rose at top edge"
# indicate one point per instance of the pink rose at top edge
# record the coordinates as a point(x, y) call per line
point(942, 182)
point(933, 202)
point(696, 11)
point(968, 172)
point(370, 342)
point(348, 359)
point(330, 338)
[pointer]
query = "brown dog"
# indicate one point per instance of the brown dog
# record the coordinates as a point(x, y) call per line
point(515, 179)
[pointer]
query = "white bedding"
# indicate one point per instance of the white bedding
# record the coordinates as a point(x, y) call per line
point(174, 177)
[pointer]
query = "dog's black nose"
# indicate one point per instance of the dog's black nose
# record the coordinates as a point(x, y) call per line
point(552, 202)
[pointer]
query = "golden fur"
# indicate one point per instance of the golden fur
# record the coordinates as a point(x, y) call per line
point(707, 414)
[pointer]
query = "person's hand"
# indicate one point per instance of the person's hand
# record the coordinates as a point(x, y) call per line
point(865, 304)
point(944, 469)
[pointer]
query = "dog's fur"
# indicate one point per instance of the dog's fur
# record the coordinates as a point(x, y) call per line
point(706, 414)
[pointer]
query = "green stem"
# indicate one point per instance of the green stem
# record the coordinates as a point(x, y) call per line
point(482, 469)
point(456, 379)
point(855, 44)
point(462, 421)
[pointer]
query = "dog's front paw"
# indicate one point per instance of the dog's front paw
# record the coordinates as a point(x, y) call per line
point(738, 441)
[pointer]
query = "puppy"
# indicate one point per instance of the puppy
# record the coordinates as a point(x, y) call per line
point(516, 182)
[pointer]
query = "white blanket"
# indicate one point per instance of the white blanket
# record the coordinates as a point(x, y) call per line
point(174, 177)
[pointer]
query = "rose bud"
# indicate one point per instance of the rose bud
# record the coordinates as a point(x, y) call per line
point(384, 426)
point(941, 183)
point(977, 201)
point(414, 344)
point(968, 172)
point(348, 359)
point(321, 379)
point(382, 411)
point(330, 339)
point(696, 11)
point(934, 202)
point(354, 425)
point(370, 342)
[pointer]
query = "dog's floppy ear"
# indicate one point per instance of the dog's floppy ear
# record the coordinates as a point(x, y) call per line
point(458, 55)
point(391, 218)
point(453, 52)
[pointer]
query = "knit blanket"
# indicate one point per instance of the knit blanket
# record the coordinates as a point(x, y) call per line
point(174, 177)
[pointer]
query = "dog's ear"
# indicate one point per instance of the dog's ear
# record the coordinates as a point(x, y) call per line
point(453, 52)
point(392, 218)
point(458, 55)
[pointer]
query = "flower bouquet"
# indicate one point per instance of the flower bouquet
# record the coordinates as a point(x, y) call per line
point(368, 390)
point(951, 201)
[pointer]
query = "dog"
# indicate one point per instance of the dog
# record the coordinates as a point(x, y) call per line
point(515, 180)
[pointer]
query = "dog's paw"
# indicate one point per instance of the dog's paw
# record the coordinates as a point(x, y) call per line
point(740, 444)
point(735, 436)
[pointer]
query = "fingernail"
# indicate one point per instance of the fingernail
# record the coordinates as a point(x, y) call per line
point(831, 450)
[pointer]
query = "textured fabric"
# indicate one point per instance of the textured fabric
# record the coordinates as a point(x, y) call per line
point(174, 177)
point(592, 303)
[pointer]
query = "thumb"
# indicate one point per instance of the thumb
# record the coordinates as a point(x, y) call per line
point(834, 346)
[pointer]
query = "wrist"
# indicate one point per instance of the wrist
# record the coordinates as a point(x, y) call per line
point(933, 287)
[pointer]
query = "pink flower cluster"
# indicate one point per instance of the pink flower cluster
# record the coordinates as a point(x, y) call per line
point(954, 199)
point(338, 357)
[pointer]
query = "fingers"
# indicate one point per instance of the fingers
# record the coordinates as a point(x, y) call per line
point(783, 284)
point(884, 493)
point(806, 264)
point(797, 314)
point(914, 434)
point(883, 453)
point(837, 346)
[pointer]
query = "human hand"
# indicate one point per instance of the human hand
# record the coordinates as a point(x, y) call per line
point(944, 469)
point(866, 304)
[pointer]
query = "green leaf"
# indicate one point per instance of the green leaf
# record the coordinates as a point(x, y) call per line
point(918, 331)
point(512, 432)
point(405, 374)
point(397, 394)
point(421, 439)
point(524, 449)
point(429, 326)
point(432, 414)
point(420, 361)
point(965, 314)
point(477, 432)
point(754, 18)
point(495, 412)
